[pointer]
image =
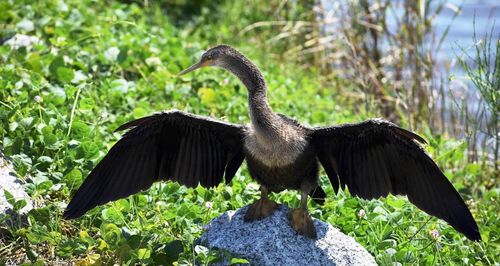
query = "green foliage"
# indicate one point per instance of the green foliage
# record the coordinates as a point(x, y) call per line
point(99, 64)
point(484, 72)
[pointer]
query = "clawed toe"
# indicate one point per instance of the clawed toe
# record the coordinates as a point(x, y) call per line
point(302, 223)
point(261, 209)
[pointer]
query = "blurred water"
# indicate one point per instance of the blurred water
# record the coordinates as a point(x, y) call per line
point(483, 13)
point(473, 15)
point(478, 15)
point(461, 31)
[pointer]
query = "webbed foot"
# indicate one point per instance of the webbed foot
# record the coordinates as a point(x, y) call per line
point(302, 223)
point(261, 209)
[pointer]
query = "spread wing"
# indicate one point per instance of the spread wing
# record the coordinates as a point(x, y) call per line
point(172, 145)
point(375, 158)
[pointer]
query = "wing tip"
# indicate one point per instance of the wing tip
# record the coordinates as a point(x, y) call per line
point(472, 232)
point(70, 214)
point(78, 206)
point(410, 135)
point(463, 221)
point(126, 126)
point(476, 237)
point(135, 123)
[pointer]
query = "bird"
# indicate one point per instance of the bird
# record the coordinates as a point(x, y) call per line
point(371, 159)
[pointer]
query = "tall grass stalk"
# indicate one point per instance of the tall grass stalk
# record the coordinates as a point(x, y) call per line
point(386, 48)
point(482, 68)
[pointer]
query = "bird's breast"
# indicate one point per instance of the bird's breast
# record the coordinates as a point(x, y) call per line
point(273, 149)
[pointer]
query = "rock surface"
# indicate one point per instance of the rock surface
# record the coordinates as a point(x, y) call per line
point(272, 241)
point(9, 182)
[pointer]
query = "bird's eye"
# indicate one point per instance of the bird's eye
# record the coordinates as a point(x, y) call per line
point(209, 57)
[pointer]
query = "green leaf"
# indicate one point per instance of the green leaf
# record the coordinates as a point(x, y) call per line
point(103, 245)
point(142, 201)
point(112, 215)
point(84, 237)
point(122, 56)
point(35, 63)
point(9, 197)
point(55, 64)
point(69, 247)
point(123, 205)
point(19, 205)
point(65, 74)
point(134, 241)
point(86, 104)
point(111, 234)
point(81, 130)
point(239, 261)
point(45, 185)
point(351, 203)
point(143, 253)
point(120, 85)
point(386, 243)
point(37, 234)
point(74, 178)
point(58, 95)
point(49, 139)
point(89, 149)
point(139, 112)
point(395, 202)
point(27, 122)
point(41, 215)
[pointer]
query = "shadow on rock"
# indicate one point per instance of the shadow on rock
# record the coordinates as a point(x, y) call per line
point(271, 241)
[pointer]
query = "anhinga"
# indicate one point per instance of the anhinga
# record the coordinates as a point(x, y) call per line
point(372, 158)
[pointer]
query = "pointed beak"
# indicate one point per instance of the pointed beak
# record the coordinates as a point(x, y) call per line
point(195, 66)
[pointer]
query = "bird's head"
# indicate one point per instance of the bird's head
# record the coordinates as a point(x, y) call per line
point(216, 56)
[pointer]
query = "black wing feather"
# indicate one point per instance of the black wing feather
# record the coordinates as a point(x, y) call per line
point(375, 158)
point(168, 146)
point(233, 165)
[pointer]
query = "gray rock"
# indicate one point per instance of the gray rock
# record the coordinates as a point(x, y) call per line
point(272, 241)
point(10, 182)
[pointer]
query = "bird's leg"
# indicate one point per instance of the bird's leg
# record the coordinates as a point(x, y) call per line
point(300, 220)
point(262, 208)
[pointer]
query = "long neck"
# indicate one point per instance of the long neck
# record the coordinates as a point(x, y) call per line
point(262, 116)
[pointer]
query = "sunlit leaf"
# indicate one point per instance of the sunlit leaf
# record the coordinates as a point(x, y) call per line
point(112, 215)
point(65, 74)
point(74, 178)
